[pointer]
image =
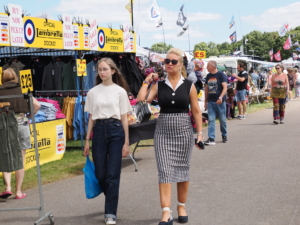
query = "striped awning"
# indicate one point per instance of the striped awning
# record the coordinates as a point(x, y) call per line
point(17, 51)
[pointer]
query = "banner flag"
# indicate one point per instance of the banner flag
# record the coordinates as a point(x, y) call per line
point(181, 17)
point(232, 22)
point(159, 22)
point(233, 37)
point(282, 30)
point(277, 56)
point(154, 11)
point(288, 43)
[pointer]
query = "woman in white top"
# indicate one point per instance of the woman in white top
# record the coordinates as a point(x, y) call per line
point(297, 83)
point(108, 105)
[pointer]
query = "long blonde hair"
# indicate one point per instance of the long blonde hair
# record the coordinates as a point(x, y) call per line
point(179, 53)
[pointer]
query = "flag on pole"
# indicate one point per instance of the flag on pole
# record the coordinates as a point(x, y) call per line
point(154, 11)
point(233, 37)
point(271, 55)
point(181, 17)
point(128, 7)
point(232, 22)
point(296, 43)
point(282, 31)
point(288, 43)
point(277, 56)
point(159, 22)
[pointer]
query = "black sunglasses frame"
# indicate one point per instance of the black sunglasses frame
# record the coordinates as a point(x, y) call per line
point(173, 61)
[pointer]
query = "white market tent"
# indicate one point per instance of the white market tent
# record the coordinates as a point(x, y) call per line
point(290, 62)
point(142, 52)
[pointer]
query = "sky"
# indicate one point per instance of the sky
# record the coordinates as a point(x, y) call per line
point(208, 19)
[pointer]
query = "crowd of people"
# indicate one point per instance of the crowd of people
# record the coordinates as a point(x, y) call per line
point(183, 95)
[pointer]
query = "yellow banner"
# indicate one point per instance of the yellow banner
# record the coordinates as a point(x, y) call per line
point(26, 81)
point(42, 33)
point(81, 67)
point(110, 40)
point(51, 141)
point(4, 30)
point(0, 75)
point(200, 54)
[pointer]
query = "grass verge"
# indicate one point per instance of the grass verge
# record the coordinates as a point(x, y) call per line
point(72, 163)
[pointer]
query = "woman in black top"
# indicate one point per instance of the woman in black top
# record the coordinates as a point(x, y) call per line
point(173, 139)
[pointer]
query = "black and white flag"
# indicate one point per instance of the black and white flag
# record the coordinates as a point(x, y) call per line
point(181, 17)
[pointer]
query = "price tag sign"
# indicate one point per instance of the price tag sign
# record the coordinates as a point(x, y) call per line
point(0, 75)
point(26, 81)
point(200, 54)
point(81, 67)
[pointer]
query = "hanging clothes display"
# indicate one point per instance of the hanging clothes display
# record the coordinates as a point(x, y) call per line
point(52, 77)
point(78, 122)
point(132, 75)
point(90, 79)
point(37, 71)
point(69, 76)
point(68, 110)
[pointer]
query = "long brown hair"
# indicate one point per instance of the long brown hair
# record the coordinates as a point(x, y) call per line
point(117, 77)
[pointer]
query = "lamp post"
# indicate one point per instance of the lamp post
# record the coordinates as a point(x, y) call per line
point(252, 57)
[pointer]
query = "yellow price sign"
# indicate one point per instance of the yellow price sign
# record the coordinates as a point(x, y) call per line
point(81, 67)
point(26, 81)
point(0, 75)
point(200, 54)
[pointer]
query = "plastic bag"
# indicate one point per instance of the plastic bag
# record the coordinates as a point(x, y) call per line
point(92, 186)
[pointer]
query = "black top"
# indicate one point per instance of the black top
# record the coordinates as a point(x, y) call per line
point(241, 85)
point(174, 102)
point(215, 87)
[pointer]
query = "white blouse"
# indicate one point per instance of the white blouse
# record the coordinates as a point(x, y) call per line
point(105, 102)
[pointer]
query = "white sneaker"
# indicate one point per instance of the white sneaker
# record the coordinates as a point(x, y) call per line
point(276, 121)
point(110, 220)
point(242, 117)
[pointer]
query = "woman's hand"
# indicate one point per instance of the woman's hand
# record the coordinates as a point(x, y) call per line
point(86, 150)
point(125, 150)
point(199, 138)
point(152, 77)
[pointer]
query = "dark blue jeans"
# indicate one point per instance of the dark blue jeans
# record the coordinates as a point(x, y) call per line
point(108, 141)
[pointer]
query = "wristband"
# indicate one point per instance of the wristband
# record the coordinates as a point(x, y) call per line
point(146, 82)
point(220, 98)
point(87, 139)
point(199, 133)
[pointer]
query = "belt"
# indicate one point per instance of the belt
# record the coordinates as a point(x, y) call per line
point(107, 120)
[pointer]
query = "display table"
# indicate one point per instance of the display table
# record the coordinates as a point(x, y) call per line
point(139, 132)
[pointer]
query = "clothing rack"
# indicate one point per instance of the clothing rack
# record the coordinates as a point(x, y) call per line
point(41, 207)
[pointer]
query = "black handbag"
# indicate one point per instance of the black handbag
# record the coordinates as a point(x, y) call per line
point(142, 109)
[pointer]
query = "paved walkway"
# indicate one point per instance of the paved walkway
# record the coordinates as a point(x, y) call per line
point(251, 180)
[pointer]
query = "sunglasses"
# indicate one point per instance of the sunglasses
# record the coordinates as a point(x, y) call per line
point(277, 68)
point(173, 61)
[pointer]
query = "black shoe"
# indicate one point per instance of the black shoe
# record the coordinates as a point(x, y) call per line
point(170, 220)
point(224, 139)
point(182, 219)
point(210, 141)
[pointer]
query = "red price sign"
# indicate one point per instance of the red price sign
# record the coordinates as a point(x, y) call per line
point(200, 54)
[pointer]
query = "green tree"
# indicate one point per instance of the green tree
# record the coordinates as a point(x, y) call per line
point(161, 47)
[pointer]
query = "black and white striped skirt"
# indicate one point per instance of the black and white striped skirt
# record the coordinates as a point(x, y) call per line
point(173, 144)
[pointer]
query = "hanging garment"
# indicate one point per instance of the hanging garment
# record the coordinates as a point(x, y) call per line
point(69, 76)
point(52, 77)
point(90, 79)
point(132, 75)
point(10, 151)
point(37, 71)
